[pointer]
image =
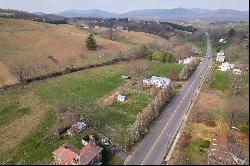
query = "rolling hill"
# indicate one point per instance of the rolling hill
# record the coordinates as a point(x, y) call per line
point(176, 13)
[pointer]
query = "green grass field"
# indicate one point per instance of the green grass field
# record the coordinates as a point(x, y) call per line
point(161, 69)
point(220, 80)
point(85, 87)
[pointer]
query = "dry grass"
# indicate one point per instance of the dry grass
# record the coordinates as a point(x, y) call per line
point(6, 76)
point(15, 131)
point(30, 43)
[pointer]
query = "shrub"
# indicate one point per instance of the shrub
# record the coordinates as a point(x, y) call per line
point(157, 55)
point(144, 51)
point(91, 42)
point(188, 69)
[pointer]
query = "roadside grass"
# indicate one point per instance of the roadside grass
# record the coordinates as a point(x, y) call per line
point(195, 151)
point(161, 69)
point(220, 80)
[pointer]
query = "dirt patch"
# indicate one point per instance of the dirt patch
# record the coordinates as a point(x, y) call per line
point(15, 131)
point(111, 97)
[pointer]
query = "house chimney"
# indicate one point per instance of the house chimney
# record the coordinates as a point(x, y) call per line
point(92, 141)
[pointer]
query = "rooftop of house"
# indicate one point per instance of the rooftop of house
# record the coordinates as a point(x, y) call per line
point(89, 152)
point(68, 154)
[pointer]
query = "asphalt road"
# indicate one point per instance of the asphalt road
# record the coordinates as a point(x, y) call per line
point(153, 148)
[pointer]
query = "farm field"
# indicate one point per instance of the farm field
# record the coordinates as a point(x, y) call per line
point(41, 48)
point(38, 107)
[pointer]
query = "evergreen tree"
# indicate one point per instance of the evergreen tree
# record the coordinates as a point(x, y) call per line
point(91, 42)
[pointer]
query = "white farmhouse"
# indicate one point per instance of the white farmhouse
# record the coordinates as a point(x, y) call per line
point(237, 71)
point(121, 98)
point(220, 57)
point(226, 66)
point(157, 81)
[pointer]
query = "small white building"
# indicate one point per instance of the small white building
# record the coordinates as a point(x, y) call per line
point(237, 71)
point(121, 98)
point(186, 60)
point(120, 28)
point(220, 57)
point(125, 77)
point(157, 81)
point(96, 27)
point(226, 66)
point(221, 40)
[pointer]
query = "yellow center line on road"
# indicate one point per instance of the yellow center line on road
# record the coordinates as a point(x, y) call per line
point(172, 116)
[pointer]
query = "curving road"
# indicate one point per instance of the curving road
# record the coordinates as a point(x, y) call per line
point(153, 148)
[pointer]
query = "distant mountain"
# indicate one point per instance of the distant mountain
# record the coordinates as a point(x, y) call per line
point(177, 13)
point(39, 13)
point(87, 13)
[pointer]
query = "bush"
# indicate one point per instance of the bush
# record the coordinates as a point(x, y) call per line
point(91, 42)
point(188, 69)
point(157, 55)
point(204, 143)
point(231, 32)
point(163, 57)
point(144, 51)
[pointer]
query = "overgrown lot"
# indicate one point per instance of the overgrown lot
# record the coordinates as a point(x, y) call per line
point(40, 103)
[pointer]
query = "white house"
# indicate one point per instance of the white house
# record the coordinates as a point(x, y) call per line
point(220, 57)
point(226, 66)
point(121, 98)
point(157, 81)
point(237, 71)
point(96, 27)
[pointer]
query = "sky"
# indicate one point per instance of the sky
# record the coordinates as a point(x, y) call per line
point(120, 6)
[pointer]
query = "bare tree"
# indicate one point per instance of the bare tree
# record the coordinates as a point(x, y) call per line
point(21, 73)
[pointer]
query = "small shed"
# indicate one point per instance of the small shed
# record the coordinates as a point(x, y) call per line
point(76, 128)
point(125, 77)
point(121, 98)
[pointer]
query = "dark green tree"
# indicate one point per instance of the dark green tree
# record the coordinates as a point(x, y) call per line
point(91, 42)
point(231, 32)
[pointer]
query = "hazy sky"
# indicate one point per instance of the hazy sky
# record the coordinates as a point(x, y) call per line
point(119, 6)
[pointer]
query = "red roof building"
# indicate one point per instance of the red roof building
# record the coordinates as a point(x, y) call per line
point(67, 154)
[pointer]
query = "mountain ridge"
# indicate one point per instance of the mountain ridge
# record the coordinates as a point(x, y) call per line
point(175, 13)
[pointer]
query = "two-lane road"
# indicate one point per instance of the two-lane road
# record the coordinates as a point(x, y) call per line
point(153, 148)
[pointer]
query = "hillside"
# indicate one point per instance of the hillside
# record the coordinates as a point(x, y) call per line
point(176, 13)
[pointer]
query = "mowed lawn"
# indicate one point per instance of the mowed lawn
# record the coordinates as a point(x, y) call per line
point(85, 88)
